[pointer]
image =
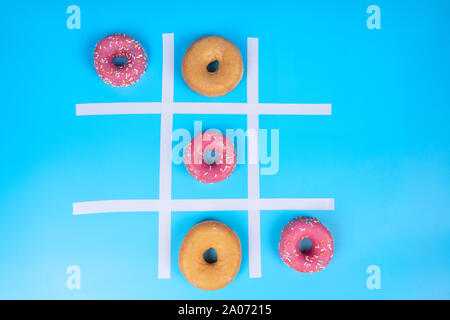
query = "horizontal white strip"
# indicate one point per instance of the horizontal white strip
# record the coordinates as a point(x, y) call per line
point(89, 109)
point(201, 205)
point(296, 204)
point(105, 206)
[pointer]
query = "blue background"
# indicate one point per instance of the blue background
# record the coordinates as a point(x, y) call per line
point(383, 154)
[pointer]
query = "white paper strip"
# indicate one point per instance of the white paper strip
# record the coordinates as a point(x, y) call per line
point(168, 68)
point(155, 205)
point(164, 243)
point(254, 233)
point(296, 204)
point(252, 70)
point(90, 109)
point(106, 206)
point(165, 163)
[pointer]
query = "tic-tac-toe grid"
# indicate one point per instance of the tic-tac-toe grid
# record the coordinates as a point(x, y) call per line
point(165, 204)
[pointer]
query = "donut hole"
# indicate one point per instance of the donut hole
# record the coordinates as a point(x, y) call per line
point(305, 245)
point(212, 66)
point(210, 256)
point(210, 157)
point(120, 61)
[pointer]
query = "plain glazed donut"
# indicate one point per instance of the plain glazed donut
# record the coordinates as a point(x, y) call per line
point(208, 50)
point(316, 258)
point(124, 47)
point(200, 238)
point(210, 157)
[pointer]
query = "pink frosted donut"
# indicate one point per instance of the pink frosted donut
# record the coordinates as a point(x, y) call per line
point(316, 258)
point(210, 157)
point(122, 73)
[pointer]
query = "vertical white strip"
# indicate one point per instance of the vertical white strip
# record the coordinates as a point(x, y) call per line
point(254, 233)
point(165, 162)
point(252, 70)
point(168, 68)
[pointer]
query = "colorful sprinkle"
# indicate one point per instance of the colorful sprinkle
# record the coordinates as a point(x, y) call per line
point(118, 46)
point(322, 245)
point(225, 159)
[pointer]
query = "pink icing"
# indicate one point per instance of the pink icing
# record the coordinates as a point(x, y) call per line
point(120, 46)
point(321, 252)
point(225, 157)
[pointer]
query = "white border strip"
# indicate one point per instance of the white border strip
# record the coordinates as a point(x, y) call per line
point(186, 205)
point(165, 162)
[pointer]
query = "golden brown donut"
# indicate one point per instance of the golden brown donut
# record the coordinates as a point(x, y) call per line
point(200, 238)
point(205, 51)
